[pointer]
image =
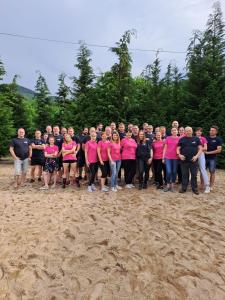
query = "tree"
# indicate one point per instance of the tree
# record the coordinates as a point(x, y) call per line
point(2, 70)
point(44, 105)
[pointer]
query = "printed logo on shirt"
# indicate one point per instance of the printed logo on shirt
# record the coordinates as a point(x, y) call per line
point(25, 142)
point(193, 142)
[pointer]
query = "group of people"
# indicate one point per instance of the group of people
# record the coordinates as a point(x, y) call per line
point(172, 156)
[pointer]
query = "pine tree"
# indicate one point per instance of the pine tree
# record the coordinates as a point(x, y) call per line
point(2, 70)
point(43, 103)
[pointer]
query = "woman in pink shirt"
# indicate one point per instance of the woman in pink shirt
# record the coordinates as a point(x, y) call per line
point(170, 158)
point(114, 160)
point(50, 166)
point(69, 151)
point(129, 146)
point(103, 157)
point(91, 158)
point(157, 147)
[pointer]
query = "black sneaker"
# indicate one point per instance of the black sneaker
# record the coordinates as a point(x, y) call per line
point(140, 187)
point(32, 181)
point(196, 192)
point(182, 191)
point(39, 178)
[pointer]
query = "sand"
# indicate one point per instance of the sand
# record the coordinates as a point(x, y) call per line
point(68, 244)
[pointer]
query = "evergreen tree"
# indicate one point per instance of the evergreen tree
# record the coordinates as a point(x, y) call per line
point(63, 102)
point(44, 105)
point(2, 70)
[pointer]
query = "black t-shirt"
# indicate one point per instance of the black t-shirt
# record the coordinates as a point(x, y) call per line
point(21, 147)
point(134, 137)
point(122, 135)
point(76, 139)
point(143, 150)
point(189, 146)
point(58, 141)
point(213, 143)
point(150, 137)
point(37, 153)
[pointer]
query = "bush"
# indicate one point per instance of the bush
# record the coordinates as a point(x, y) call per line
point(221, 158)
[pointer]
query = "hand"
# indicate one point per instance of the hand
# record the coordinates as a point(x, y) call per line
point(112, 163)
point(163, 160)
point(87, 163)
point(149, 161)
point(194, 158)
point(16, 158)
point(182, 157)
point(102, 163)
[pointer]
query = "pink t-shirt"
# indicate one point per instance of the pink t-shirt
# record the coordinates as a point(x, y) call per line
point(69, 146)
point(129, 147)
point(115, 151)
point(51, 149)
point(171, 151)
point(103, 146)
point(157, 147)
point(203, 140)
point(91, 147)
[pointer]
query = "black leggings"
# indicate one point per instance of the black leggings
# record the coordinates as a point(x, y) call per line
point(105, 169)
point(143, 170)
point(129, 170)
point(158, 167)
point(93, 168)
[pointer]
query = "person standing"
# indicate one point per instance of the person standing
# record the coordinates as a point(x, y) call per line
point(128, 147)
point(144, 158)
point(189, 149)
point(103, 157)
point(157, 147)
point(21, 151)
point(114, 154)
point(214, 147)
point(91, 158)
point(170, 159)
point(37, 158)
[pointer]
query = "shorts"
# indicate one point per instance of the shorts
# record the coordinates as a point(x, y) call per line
point(211, 164)
point(21, 166)
point(105, 169)
point(50, 165)
point(69, 161)
point(36, 161)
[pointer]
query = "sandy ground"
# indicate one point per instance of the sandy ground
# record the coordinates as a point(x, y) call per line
point(127, 245)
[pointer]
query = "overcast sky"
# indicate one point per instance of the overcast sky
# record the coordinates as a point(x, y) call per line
point(161, 24)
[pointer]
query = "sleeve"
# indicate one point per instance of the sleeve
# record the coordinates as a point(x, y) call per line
point(12, 144)
point(179, 142)
point(29, 141)
point(199, 142)
point(219, 142)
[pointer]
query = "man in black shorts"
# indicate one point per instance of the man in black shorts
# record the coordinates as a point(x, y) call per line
point(37, 158)
point(189, 149)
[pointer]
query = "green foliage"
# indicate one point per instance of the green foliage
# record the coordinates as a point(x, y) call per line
point(2, 70)
point(221, 158)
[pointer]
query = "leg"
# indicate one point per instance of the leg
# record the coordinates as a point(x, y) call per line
point(185, 175)
point(133, 167)
point(25, 165)
point(65, 173)
point(174, 173)
point(118, 164)
point(126, 170)
point(202, 164)
point(194, 172)
point(32, 173)
point(168, 172)
point(113, 173)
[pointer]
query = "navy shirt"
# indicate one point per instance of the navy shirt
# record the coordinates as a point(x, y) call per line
point(122, 135)
point(21, 147)
point(189, 146)
point(213, 143)
point(37, 153)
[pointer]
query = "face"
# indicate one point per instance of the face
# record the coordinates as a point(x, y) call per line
point(93, 135)
point(108, 131)
point(115, 137)
point(213, 131)
point(113, 126)
point(67, 137)
point(129, 134)
point(145, 126)
point(181, 131)
point(121, 128)
point(175, 124)
point(56, 130)
point(92, 130)
point(188, 131)
point(100, 127)
point(49, 129)
point(63, 131)
point(141, 135)
point(21, 133)
point(37, 134)
point(45, 137)
point(163, 130)
point(71, 131)
point(130, 126)
point(149, 129)
point(51, 141)
point(157, 129)
point(174, 131)
point(104, 137)
point(135, 130)
point(85, 131)
point(158, 135)
point(198, 133)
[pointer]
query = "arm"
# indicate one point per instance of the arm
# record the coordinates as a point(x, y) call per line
point(86, 156)
point(30, 151)
point(182, 157)
point(164, 152)
point(99, 156)
point(11, 150)
point(109, 154)
point(39, 147)
point(194, 158)
point(150, 159)
point(217, 151)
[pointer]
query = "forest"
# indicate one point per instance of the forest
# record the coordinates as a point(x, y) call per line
point(195, 97)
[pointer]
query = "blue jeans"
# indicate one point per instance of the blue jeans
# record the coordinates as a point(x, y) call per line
point(171, 170)
point(211, 164)
point(115, 167)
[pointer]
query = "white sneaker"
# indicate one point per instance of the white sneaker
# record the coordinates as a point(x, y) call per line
point(44, 188)
point(89, 189)
point(128, 186)
point(93, 187)
point(132, 186)
point(207, 189)
point(105, 189)
point(119, 187)
point(114, 189)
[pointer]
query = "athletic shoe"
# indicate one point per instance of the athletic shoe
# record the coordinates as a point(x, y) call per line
point(39, 178)
point(89, 189)
point(53, 186)
point(196, 192)
point(128, 186)
point(172, 190)
point(132, 186)
point(105, 189)
point(44, 188)
point(114, 189)
point(207, 189)
point(93, 187)
point(211, 188)
point(140, 187)
point(167, 189)
point(119, 187)
point(32, 180)
point(182, 191)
